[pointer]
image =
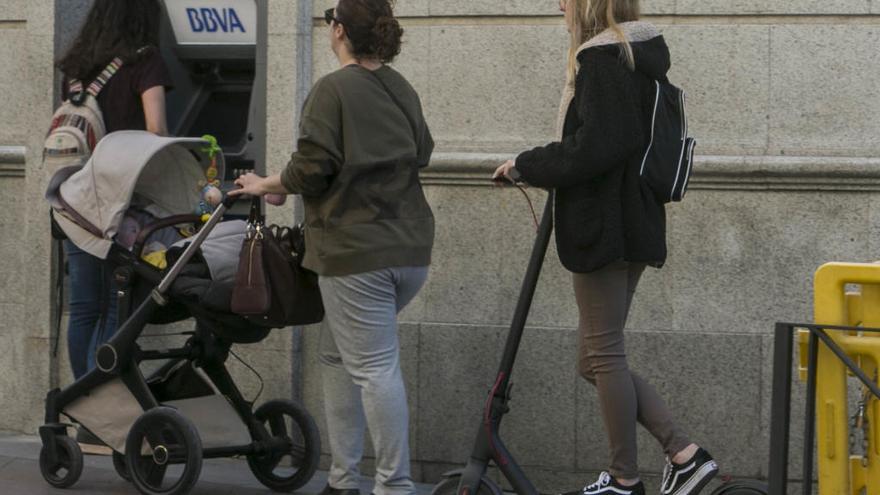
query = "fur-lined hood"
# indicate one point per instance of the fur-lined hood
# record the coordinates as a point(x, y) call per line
point(649, 50)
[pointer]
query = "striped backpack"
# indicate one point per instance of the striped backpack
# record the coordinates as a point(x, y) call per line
point(78, 124)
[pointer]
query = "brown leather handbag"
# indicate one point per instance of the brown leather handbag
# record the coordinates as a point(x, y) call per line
point(272, 288)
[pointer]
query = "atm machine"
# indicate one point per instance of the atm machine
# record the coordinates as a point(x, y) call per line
point(216, 51)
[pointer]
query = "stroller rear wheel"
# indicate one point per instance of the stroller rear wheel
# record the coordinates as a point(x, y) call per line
point(120, 467)
point(163, 453)
point(293, 467)
point(68, 468)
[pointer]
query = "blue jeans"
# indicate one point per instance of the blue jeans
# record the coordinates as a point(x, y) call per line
point(92, 307)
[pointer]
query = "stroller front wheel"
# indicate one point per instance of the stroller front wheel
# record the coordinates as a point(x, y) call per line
point(163, 453)
point(288, 470)
point(68, 467)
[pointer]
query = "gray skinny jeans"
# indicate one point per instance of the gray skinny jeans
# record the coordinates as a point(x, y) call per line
point(603, 299)
point(363, 384)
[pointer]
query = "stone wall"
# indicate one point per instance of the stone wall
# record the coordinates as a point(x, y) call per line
point(781, 97)
point(26, 55)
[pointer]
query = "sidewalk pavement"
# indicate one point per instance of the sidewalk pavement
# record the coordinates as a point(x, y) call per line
point(20, 475)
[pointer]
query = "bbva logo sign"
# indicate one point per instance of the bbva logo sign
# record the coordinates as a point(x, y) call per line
point(212, 20)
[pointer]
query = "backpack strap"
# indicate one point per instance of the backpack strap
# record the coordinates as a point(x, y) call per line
point(94, 89)
point(104, 77)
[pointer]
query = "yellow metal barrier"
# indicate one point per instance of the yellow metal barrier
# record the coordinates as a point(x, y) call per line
point(845, 471)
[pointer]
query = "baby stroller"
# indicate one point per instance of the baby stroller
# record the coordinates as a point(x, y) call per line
point(161, 425)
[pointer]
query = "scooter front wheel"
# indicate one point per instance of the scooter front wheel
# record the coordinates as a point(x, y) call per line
point(449, 486)
point(742, 487)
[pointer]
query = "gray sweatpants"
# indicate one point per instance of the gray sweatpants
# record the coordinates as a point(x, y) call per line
point(363, 385)
point(603, 299)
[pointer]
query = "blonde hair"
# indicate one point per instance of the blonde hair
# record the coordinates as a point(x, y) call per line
point(591, 17)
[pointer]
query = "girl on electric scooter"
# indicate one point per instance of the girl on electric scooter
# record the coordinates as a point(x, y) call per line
point(609, 227)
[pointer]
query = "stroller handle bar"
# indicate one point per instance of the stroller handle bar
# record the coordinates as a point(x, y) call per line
point(230, 200)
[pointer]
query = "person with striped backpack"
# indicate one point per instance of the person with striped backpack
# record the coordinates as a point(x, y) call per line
point(114, 79)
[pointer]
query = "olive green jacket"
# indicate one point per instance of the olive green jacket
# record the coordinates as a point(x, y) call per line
point(357, 168)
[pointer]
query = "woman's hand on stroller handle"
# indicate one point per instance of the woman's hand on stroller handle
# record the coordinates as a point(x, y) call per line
point(255, 185)
point(243, 191)
point(250, 184)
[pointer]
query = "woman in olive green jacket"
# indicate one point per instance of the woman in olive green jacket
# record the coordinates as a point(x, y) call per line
point(369, 235)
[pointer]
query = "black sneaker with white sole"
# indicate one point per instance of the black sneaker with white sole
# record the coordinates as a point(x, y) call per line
point(688, 478)
point(607, 485)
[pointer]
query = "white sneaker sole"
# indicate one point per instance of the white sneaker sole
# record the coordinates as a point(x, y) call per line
point(699, 480)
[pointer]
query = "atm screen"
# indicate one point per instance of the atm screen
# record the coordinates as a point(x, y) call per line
point(224, 114)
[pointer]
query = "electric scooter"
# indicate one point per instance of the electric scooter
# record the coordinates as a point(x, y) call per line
point(488, 446)
point(472, 480)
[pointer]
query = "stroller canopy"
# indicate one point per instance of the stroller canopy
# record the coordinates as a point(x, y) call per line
point(164, 175)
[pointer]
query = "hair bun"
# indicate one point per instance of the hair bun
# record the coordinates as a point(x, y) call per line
point(388, 37)
point(371, 27)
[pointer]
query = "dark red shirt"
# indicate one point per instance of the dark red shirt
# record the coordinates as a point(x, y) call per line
point(120, 100)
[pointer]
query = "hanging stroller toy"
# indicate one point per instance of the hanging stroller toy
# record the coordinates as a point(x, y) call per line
point(161, 427)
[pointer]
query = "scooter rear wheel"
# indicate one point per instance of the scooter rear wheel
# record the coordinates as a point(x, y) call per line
point(69, 466)
point(742, 487)
point(449, 486)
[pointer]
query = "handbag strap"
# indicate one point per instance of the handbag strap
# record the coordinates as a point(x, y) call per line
point(409, 118)
point(255, 223)
point(254, 217)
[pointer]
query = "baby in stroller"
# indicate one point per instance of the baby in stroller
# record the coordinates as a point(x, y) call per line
point(161, 426)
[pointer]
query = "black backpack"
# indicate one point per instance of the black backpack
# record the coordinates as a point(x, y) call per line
point(668, 161)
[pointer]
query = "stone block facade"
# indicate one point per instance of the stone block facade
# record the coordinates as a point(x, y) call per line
point(783, 101)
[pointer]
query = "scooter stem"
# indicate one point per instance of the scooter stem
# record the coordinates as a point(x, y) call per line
point(488, 444)
point(526, 295)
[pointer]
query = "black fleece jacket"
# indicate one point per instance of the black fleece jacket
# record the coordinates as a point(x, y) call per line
point(604, 212)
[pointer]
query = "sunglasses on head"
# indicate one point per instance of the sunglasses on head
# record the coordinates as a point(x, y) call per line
point(330, 16)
